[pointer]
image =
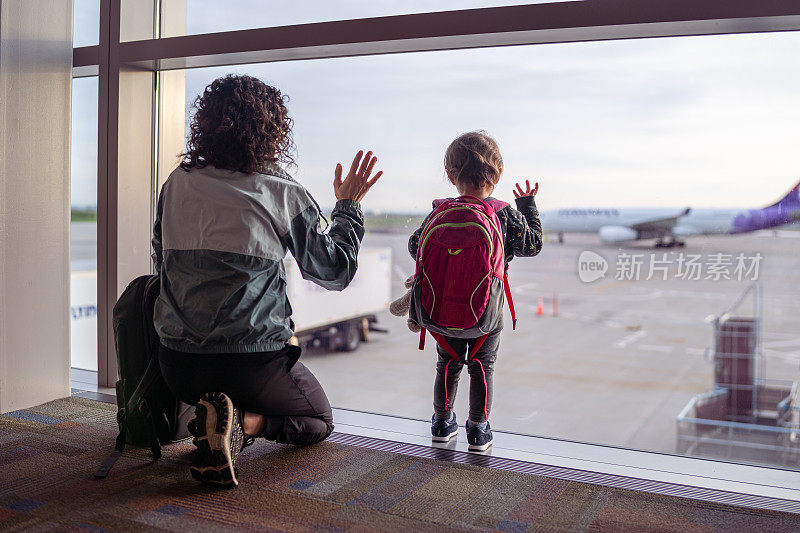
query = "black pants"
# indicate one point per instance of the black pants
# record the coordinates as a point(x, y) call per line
point(481, 371)
point(272, 384)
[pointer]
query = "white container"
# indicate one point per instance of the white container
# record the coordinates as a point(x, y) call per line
point(83, 319)
point(369, 292)
point(314, 307)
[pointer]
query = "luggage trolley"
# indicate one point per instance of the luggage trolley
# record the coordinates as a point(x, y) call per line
point(745, 417)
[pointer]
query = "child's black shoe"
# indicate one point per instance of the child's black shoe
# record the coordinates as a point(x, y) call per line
point(479, 436)
point(444, 430)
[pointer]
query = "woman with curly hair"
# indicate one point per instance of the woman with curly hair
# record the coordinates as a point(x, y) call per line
point(225, 220)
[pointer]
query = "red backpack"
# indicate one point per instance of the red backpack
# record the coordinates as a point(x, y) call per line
point(461, 272)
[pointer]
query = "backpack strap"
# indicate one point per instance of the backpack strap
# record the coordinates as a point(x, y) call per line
point(119, 444)
point(445, 345)
point(421, 338)
point(155, 444)
point(510, 300)
point(136, 403)
point(112, 458)
point(477, 346)
point(453, 358)
point(470, 358)
point(495, 204)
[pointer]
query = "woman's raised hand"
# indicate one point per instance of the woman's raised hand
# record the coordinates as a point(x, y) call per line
point(357, 182)
point(519, 193)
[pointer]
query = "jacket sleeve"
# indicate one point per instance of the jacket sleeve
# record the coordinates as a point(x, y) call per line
point(524, 231)
point(158, 255)
point(328, 259)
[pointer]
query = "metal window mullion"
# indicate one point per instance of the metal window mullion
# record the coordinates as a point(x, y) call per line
point(155, 153)
point(156, 124)
point(107, 187)
point(556, 22)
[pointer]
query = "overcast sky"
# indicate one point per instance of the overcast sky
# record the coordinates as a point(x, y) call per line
point(700, 121)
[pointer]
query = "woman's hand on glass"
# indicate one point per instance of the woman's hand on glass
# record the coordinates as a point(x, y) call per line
point(519, 193)
point(357, 182)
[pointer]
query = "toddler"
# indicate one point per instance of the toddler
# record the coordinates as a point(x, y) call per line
point(473, 164)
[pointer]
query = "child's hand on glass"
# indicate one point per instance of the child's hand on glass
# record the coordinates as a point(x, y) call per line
point(357, 182)
point(519, 193)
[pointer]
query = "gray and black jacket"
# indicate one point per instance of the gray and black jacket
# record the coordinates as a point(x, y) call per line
point(219, 240)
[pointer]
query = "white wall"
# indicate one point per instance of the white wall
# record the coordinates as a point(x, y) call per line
point(35, 84)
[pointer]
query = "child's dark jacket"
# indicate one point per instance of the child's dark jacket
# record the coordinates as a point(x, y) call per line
point(521, 227)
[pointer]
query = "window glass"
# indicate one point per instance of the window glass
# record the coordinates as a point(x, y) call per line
point(83, 228)
point(206, 16)
point(689, 138)
point(86, 23)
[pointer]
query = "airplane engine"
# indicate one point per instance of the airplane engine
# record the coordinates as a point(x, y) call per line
point(684, 231)
point(615, 234)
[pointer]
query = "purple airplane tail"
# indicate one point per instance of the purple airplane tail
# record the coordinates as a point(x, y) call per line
point(790, 200)
point(784, 211)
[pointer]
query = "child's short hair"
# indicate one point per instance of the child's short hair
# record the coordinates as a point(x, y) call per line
point(474, 158)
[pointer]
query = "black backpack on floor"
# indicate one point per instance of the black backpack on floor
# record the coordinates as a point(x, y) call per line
point(149, 414)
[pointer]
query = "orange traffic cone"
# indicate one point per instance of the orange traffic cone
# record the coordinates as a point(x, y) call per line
point(540, 307)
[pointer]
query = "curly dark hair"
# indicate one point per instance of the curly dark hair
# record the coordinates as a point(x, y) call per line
point(474, 158)
point(240, 123)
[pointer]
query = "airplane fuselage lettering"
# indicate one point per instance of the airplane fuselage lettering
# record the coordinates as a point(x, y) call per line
point(589, 212)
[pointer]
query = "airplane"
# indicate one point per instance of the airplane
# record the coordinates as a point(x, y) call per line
point(669, 225)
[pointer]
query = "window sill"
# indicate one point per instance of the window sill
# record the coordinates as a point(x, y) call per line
point(674, 475)
point(702, 479)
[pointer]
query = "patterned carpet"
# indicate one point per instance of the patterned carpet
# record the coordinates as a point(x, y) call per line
point(48, 455)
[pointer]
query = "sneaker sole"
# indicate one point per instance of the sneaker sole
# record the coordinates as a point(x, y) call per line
point(211, 427)
point(446, 438)
point(479, 447)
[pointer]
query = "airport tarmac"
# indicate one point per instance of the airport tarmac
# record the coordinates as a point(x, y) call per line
point(617, 364)
point(615, 367)
point(83, 246)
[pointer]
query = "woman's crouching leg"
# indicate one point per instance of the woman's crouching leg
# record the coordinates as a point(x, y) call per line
point(298, 430)
point(306, 415)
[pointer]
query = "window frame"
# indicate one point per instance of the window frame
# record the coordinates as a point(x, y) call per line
point(562, 22)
